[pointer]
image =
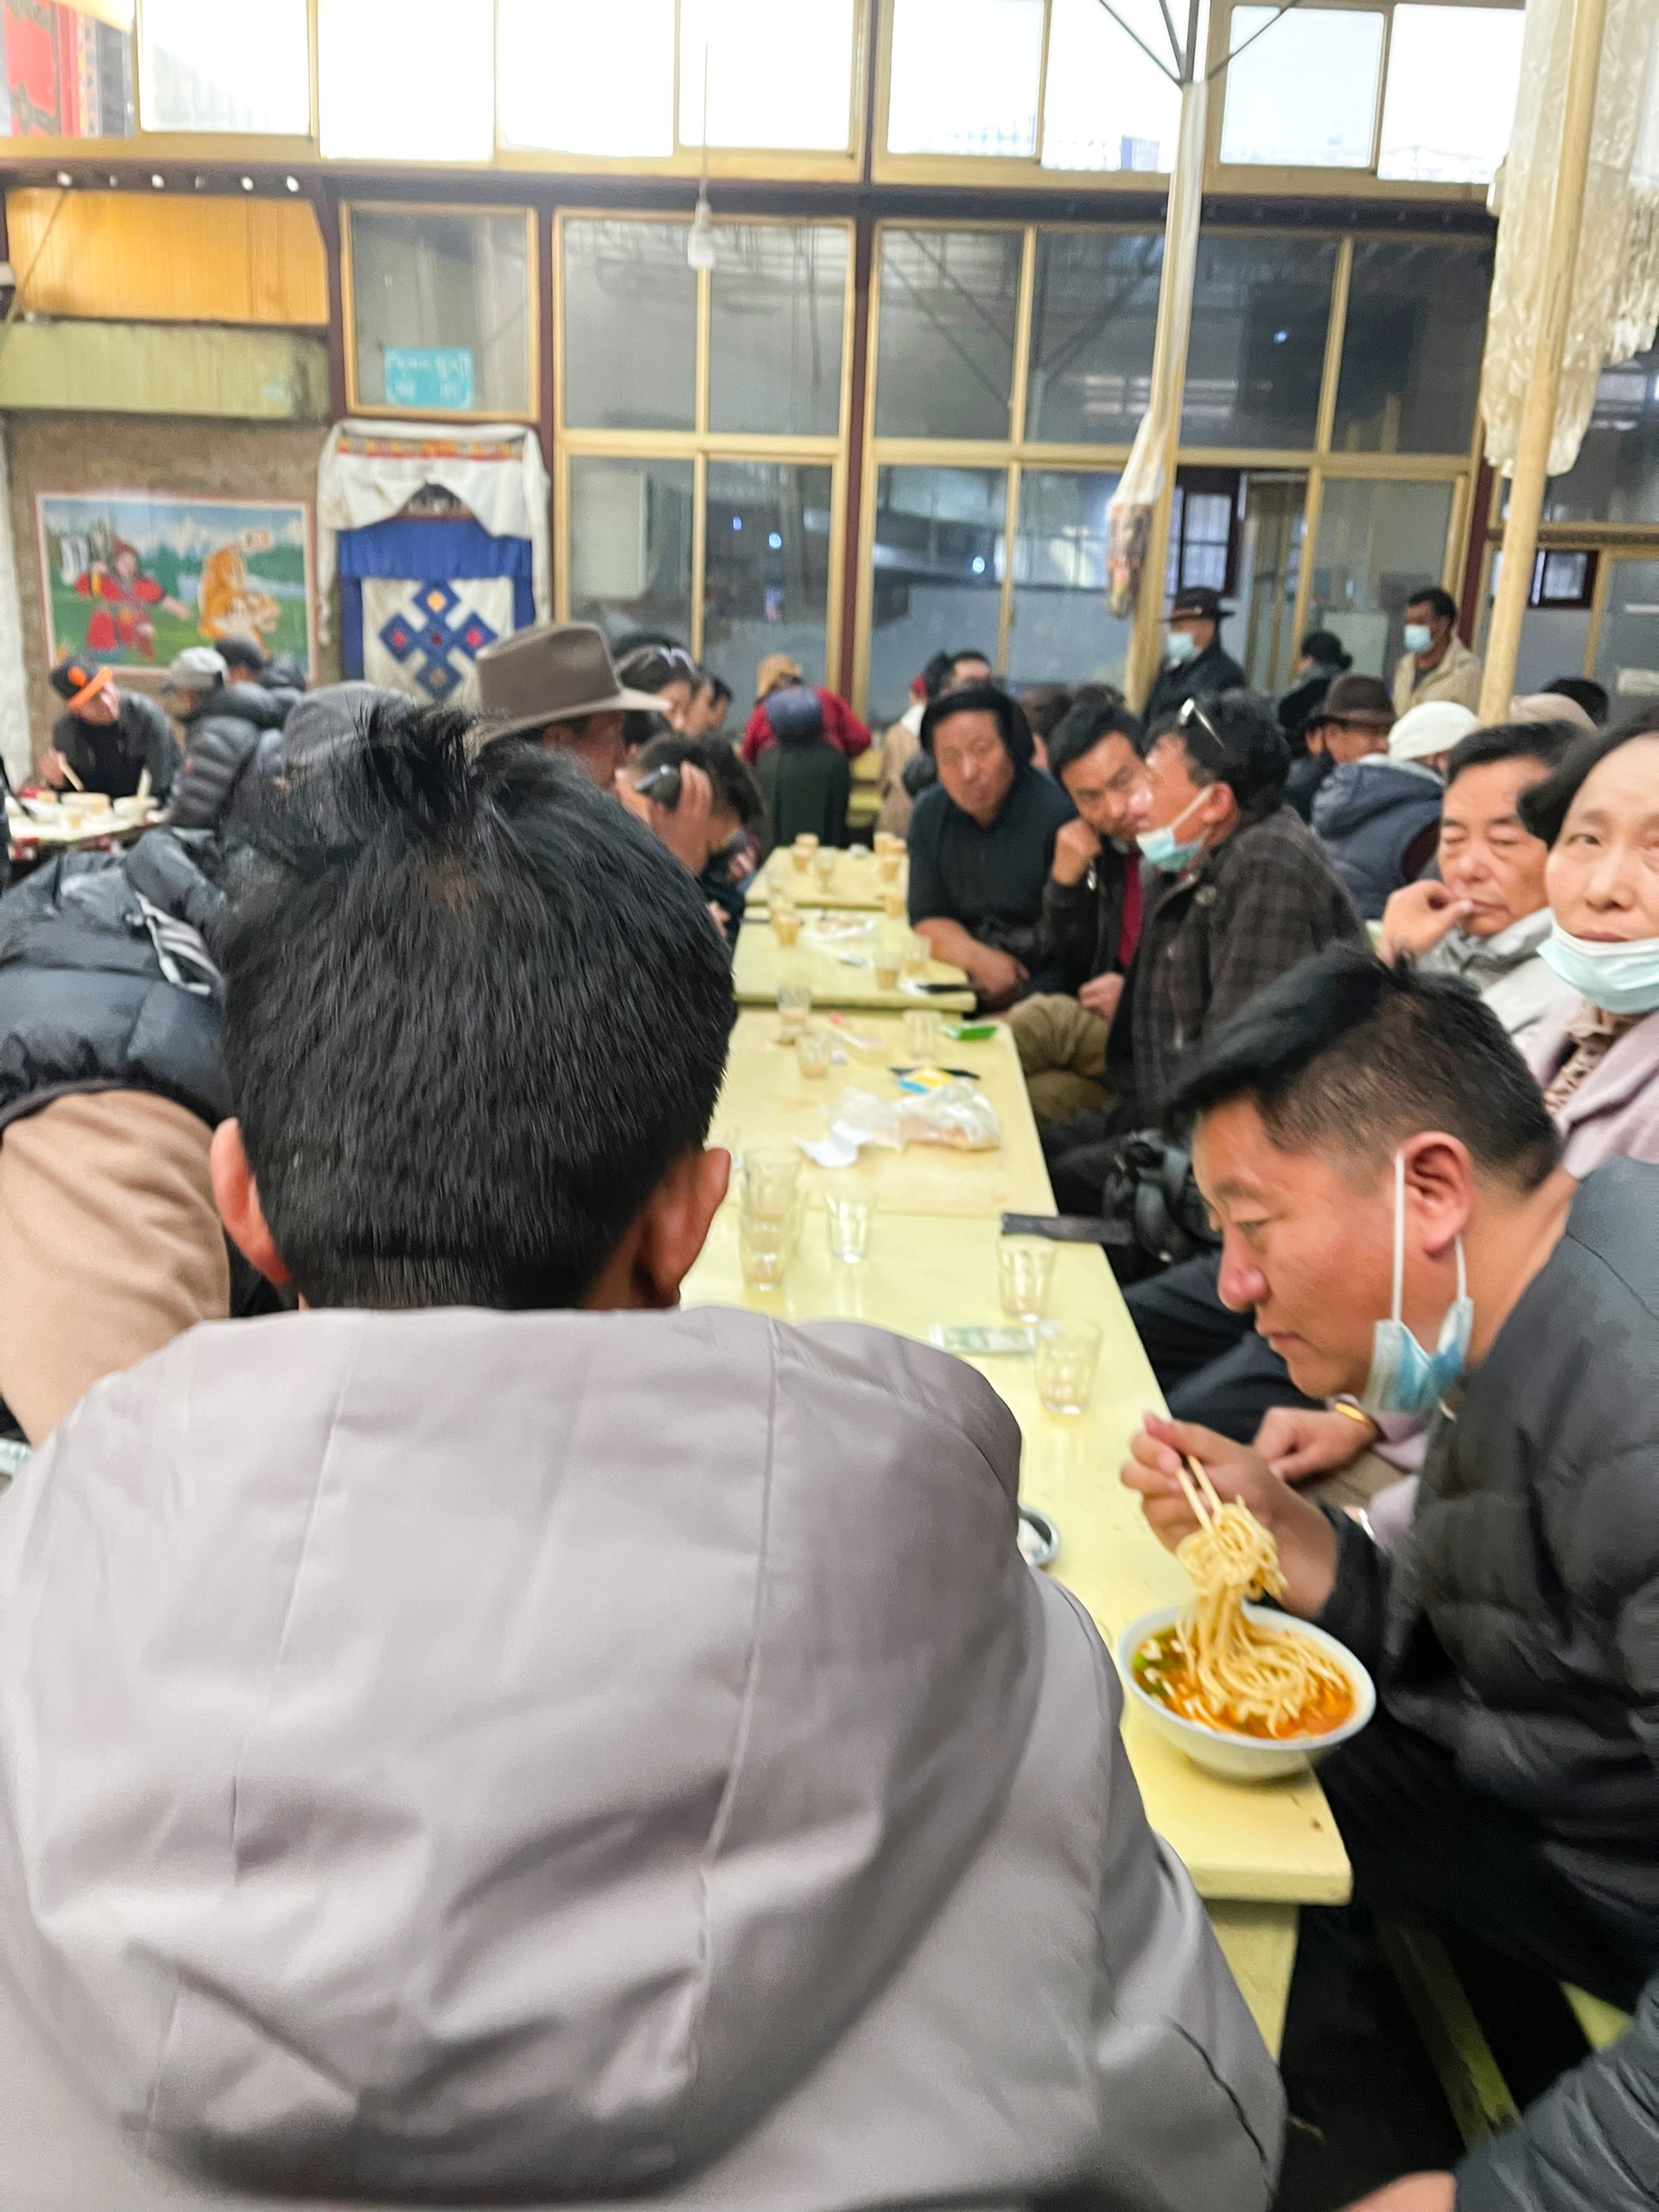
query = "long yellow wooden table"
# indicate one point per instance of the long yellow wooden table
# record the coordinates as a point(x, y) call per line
point(1256, 1854)
point(856, 882)
point(766, 1100)
point(842, 975)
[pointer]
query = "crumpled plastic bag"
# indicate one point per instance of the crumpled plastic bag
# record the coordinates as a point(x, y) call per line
point(956, 1115)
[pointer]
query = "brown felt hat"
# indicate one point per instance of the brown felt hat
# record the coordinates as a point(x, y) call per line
point(555, 672)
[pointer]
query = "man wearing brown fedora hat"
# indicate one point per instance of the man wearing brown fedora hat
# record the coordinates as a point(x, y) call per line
point(556, 683)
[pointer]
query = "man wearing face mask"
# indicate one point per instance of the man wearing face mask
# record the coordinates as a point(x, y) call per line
point(1436, 664)
point(1388, 1184)
point(1195, 664)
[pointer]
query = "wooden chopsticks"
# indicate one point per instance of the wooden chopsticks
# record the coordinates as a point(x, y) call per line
point(1205, 1505)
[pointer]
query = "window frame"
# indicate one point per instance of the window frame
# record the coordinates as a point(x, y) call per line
point(699, 445)
point(530, 413)
point(1017, 453)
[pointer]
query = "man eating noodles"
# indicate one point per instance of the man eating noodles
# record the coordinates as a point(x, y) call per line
point(1386, 1178)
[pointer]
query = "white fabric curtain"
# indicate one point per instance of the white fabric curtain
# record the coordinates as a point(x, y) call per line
point(14, 682)
point(1616, 283)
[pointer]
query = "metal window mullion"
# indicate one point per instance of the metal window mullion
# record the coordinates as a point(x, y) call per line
point(1005, 602)
point(1311, 510)
point(1023, 312)
point(1605, 558)
point(1336, 330)
point(699, 546)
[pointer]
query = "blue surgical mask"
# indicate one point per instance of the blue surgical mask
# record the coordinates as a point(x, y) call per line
point(1419, 637)
point(1165, 850)
point(1178, 647)
point(1404, 1378)
point(1618, 978)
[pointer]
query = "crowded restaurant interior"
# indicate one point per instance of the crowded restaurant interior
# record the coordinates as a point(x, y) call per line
point(830, 1105)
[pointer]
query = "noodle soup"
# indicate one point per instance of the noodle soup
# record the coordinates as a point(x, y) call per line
point(1162, 1668)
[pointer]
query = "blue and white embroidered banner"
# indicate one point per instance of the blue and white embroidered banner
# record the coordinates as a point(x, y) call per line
point(423, 638)
point(420, 599)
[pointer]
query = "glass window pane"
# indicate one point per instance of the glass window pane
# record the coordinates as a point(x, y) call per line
point(630, 327)
point(777, 307)
point(1450, 101)
point(630, 530)
point(1062, 632)
point(1411, 347)
point(777, 76)
point(1305, 94)
point(65, 74)
point(1259, 310)
point(579, 78)
point(1107, 107)
point(766, 569)
point(208, 66)
point(937, 561)
point(382, 97)
point(441, 309)
point(1616, 476)
point(965, 76)
point(1627, 654)
point(1378, 543)
point(948, 306)
point(1093, 311)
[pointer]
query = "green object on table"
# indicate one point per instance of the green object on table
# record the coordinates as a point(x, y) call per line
point(970, 1033)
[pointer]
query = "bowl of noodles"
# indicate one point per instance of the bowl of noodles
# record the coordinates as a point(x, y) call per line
point(1243, 1690)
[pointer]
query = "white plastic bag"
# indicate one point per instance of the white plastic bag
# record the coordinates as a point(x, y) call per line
point(955, 1115)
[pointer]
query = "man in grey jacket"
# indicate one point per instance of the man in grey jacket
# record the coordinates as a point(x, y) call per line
point(488, 1737)
point(1387, 1179)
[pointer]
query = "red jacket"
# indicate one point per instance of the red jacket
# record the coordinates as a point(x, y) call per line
point(840, 726)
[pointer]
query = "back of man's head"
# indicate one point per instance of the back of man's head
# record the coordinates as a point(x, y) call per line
point(1345, 1057)
point(475, 1013)
point(735, 791)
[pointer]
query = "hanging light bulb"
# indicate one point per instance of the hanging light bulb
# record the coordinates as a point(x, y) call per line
point(699, 245)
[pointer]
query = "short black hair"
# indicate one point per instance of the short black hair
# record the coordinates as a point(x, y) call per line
point(1584, 692)
point(715, 686)
point(474, 1012)
point(1549, 743)
point(1045, 706)
point(1438, 601)
point(1084, 728)
point(647, 668)
point(1327, 647)
point(243, 653)
point(983, 699)
point(1544, 808)
point(1234, 738)
point(1342, 1054)
point(735, 790)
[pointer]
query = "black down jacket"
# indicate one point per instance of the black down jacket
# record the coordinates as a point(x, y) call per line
point(1518, 1625)
point(96, 994)
point(220, 739)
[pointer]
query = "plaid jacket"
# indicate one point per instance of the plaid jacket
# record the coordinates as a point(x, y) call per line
point(1213, 936)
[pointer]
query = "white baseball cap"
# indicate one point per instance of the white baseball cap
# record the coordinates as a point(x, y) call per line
point(1434, 727)
point(198, 668)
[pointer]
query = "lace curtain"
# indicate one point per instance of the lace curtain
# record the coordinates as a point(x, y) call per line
point(1616, 283)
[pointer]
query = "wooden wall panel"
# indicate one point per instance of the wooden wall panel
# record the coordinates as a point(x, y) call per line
point(121, 255)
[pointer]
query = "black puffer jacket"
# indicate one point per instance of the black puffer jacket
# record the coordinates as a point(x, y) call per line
point(221, 736)
point(1519, 1626)
point(86, 1002)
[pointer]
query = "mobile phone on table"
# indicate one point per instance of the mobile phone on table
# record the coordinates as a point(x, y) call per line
point(1062, 1228)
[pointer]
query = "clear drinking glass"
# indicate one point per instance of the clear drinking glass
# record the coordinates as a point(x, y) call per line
point(892, 902)
point(823, 866)
point(794, 1004)
point(766, 1244)
point(847, 1215)
point(887, 865)
point(772, 1181)
point(923, 1033)
point(786, 923)
point(887, 956)
point(814, 1050)
point(914, 956)
point(1025, 1267)
point(1067, 1354)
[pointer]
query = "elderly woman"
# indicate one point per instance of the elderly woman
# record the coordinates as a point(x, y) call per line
point(1598, 1058)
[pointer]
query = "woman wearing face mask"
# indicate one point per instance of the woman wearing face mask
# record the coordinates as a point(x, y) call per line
point(1598, 1057)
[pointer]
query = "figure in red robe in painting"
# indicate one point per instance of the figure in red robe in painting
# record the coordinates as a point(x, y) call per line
point(120, 623)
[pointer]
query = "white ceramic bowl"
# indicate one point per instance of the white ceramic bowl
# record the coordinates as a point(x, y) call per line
point(1245, 1758)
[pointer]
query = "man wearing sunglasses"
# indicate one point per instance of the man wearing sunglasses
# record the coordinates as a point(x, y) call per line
point(1241, 891)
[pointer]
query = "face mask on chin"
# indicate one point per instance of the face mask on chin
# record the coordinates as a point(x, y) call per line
point(1404, 1378)
point(1165, 850)
point(1178, 647)
point(1419, 637)
point(1618, 978)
